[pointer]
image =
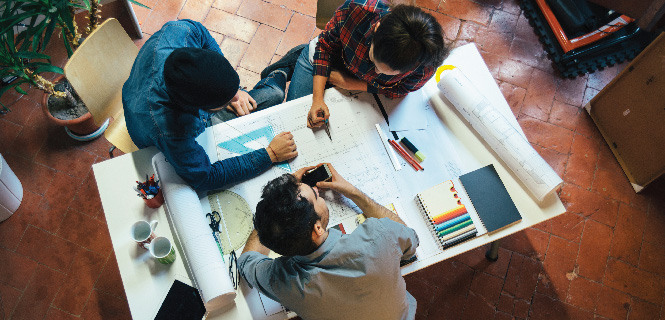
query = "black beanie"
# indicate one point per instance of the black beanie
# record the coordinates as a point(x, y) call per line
point(199, 78)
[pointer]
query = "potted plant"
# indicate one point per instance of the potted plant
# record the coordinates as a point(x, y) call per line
point(26, 28)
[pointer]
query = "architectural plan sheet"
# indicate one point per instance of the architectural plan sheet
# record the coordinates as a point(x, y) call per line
point(355, 150)
point(504, 138)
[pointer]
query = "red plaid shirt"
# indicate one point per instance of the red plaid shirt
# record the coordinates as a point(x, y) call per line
point(349, 35)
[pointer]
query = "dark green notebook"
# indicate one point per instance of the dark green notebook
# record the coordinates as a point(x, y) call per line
point(490, 198)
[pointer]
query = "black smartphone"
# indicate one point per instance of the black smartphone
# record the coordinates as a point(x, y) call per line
point(320, 173)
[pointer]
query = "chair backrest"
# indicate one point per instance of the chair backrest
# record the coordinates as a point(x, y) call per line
point(326, 8)
point(97, 70)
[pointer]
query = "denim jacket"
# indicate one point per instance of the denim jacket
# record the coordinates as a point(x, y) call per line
point(153, 120)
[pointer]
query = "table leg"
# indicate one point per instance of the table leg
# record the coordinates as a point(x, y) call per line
point(492, 253)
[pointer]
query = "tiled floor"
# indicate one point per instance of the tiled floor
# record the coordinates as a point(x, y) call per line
point(600, 259)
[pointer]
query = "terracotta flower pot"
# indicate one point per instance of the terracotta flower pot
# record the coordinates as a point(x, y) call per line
point(82, 128)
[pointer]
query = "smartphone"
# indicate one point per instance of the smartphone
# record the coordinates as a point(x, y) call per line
point(320, 173)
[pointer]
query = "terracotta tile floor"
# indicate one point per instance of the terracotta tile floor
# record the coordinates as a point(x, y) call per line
point(600, 259)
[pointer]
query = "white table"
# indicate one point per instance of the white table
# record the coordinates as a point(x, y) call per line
point(147, 282)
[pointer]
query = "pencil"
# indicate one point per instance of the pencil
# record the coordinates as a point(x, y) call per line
point(455, 228)
point(451, 214)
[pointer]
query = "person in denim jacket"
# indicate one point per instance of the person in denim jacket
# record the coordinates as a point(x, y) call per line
point(179, 79)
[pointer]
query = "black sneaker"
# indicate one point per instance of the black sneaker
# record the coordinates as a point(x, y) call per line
point(287, 62)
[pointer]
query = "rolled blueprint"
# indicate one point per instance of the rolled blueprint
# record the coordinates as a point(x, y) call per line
point(202, 257)
point(513, 148)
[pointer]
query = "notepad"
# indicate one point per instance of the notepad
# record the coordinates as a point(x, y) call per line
point(472, 205)
point(448, 217)
point(490, 199)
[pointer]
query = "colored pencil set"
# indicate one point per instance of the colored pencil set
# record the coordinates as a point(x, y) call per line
point(449, 219)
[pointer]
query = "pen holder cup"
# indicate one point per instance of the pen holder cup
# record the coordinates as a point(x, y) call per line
point(156, 201)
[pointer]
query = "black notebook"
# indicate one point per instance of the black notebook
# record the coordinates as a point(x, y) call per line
point(183, 302)
point(490, 198)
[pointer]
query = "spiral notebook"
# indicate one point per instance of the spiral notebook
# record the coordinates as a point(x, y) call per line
point(472, 205)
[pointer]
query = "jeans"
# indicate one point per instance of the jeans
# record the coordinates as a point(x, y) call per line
point(303, 76)
point(267, 93)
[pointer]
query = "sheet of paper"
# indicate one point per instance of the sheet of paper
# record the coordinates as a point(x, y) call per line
point(355, 151)
point(406, 113)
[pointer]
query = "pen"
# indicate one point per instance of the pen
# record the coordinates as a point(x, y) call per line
point(405, 155)
point(326, 124)
point(417, 153)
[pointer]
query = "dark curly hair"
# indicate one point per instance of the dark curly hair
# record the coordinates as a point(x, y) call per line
point(284, 220)
point(408, 37)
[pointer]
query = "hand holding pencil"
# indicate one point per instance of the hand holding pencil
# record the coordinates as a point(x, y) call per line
point(317, 115)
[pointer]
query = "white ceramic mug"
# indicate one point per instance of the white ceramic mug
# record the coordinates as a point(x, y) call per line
point(143, 232)
point(162, 249)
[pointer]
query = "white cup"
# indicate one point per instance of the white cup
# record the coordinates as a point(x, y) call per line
point(162, 249)
point(143, 232)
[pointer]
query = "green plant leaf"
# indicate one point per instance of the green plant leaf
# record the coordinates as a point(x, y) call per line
point(68, 46)
point(15, 86)
point(31, 55)
point(20, 90)
point(139, 4)
point(49, 68)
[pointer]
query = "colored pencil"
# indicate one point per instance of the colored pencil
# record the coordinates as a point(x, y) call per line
point(459, 239)
point(458, 232)
point(452, 214)
point(452, 222)
point(455, 228)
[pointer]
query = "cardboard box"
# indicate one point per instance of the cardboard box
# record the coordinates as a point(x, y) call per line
point(630, 114)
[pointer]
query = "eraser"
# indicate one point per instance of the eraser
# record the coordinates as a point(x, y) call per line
point(420, 156)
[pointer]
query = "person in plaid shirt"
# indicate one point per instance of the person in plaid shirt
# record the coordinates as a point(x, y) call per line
point(367, 46)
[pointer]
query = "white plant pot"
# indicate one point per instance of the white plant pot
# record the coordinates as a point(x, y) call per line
point(11, 191)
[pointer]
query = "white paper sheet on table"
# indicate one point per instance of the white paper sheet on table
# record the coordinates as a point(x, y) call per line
point(407, 113)
point(355, 150)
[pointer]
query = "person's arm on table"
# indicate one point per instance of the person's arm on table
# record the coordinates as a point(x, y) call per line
point(346, 81)
point(255, 266)
point(319, 112)
point(406, 238)
point(193, 165)
point(253, 244)
point(369, 207)
point(329, 45)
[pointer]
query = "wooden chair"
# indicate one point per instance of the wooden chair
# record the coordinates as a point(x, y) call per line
point(97, 70)
point(326, 8)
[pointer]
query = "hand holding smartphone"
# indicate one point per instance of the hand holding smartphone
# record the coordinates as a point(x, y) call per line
point(320, 173)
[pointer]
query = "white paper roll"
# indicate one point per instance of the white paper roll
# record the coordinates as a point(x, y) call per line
point(202, 256)
point(513, 148)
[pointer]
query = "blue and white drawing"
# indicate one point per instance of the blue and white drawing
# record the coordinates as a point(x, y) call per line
point(237, 144)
